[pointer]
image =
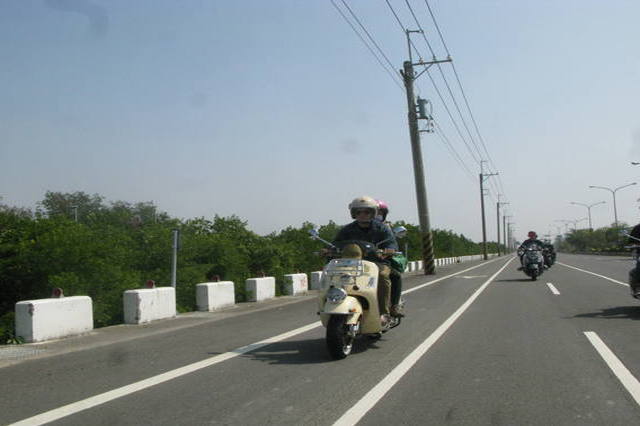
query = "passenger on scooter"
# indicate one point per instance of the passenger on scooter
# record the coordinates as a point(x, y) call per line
point(366, 228)
point(533, 240)
point(396, 277)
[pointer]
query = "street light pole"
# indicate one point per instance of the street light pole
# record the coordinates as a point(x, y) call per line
point(613, 192)
point(588, 206)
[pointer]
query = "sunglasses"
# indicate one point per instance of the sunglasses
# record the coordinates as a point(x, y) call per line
point(362, 211)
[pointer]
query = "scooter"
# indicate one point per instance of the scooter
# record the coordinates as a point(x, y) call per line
point(348, 305)
point(532, 262)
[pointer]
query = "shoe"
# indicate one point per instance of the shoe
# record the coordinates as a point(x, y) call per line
point(385, 319)
point(396, 311)
point(521, 268)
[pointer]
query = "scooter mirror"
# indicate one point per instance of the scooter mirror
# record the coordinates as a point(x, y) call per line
point(314, 233)
point(400, 231)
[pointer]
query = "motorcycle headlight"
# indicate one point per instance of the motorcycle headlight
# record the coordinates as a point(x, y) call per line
point(336, 295)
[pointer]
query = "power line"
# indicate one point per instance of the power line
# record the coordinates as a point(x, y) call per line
point(455, 71)
point(392, 75)
point(446, 82)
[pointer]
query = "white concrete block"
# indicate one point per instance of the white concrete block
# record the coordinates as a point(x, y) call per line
point(212, 296)
point(295, 284)
point(46, 319)
point(149, 304)
point(260, 288)
point(316, 280)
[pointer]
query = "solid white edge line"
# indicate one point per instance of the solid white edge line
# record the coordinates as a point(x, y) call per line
point(631, 384)
point(418, 287)
point(99, 399)
point(369, 400)
point(593, 273)
point(75, 407)
point(553, 289)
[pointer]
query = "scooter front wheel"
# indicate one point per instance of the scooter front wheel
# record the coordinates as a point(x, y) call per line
point(339, 342)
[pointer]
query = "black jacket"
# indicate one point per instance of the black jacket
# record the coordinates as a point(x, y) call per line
point(375, 233)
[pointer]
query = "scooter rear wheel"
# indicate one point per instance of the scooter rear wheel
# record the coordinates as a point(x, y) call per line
point(339, 342)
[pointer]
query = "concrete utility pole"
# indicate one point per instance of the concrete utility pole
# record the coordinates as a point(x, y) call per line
point(483, 177)
point(409, 77)
point(498, 204)
point(504, 233)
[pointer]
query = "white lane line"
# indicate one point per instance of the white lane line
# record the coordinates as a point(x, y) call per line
point(627, 379)
point(418, 287)
point(93, 401)
point(553, 289)
point(102, 398)
point(355, 413)
point(593, 273)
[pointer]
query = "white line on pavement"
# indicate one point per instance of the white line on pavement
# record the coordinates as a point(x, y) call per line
point(627, 379)
point(418, 287)
point(553, 289)
point(102, 398)
point(93, 401)
point(355, 413)
point(593, 273)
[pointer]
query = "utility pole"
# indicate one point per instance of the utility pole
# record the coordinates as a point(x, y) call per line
point(498, 204)
point(483, 177)
point(409, 77)
point(174, 257)
point(504, 232)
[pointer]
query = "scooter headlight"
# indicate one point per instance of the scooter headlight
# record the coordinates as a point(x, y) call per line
point(336, 295)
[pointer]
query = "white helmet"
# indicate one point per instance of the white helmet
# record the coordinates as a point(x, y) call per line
point(363, 202)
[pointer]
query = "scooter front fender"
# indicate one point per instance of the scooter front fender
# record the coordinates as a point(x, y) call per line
point(349, 306)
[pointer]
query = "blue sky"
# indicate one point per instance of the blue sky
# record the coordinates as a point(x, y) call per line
point(275, 111)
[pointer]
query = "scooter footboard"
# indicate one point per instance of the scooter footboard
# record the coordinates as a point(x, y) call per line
point(349, 306)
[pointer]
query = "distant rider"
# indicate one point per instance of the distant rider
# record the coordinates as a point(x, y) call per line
point(366, 228)
point(532, 241)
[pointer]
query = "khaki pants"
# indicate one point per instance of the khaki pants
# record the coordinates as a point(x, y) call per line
point(384, 288)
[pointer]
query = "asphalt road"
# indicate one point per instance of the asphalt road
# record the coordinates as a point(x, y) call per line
point(480, 346)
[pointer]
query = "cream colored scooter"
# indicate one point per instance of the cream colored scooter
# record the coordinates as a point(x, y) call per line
point(348, 304)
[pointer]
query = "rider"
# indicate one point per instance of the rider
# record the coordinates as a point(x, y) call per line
point(396, 272)
point(533, 240)
point(550, 253)
point(366, 228)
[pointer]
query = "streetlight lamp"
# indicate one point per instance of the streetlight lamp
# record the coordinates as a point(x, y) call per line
point(613, 192)
point(588, 206)
point(576, 222)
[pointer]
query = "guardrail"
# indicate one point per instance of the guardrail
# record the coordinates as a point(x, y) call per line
point(57, 317)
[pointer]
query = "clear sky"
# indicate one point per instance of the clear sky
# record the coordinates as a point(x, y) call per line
point(276, 111)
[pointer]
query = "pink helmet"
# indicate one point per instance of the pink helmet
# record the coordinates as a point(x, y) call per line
point(383, 209)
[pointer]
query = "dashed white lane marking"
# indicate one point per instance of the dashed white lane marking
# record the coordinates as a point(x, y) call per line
point(593, 273)
point(553, 289)
point(627, 379)
point(355, 413)
point(69, 409)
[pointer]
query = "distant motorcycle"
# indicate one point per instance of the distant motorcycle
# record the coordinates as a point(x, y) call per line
point(532, 261)
point(549, 257)
point(348, 305)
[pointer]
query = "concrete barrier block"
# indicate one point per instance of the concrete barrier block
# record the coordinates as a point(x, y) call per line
point(316, 280)
point(149, 304)
point(46, 319)
point(260, 288)
point(295, 284)
point(212, 296)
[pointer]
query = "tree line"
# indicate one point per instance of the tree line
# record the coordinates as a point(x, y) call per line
point(609, 239)
point(88, 246)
